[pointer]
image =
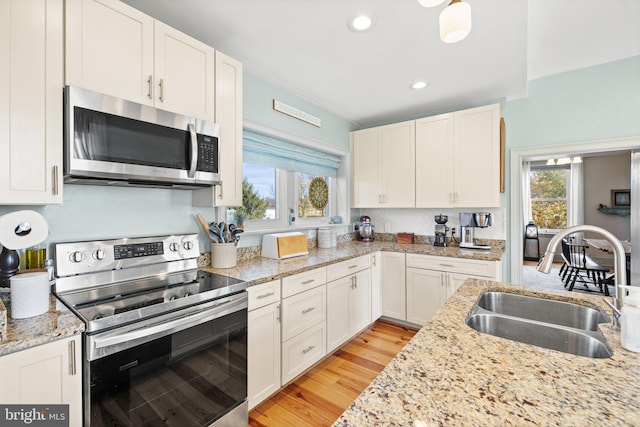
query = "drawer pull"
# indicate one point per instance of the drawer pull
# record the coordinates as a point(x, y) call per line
point(306, 282)
point(308, 310)
point(265, 295)
point(308, 349)
point(445, 265)
point(353, 266)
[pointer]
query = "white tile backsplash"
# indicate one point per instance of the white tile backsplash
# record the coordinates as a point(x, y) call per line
point(421, 222)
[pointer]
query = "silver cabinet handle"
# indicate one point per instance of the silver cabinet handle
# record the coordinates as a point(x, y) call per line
point(445, 265)
point(308, 310)
point(161, 96)
point(265, 295)
point(221, 188)
point(149, 85)
point(194, 150)
point(353, 266)
point(373, 257)
point(306, 282)
point(279, 308)
point(308, 349)
point(54, 184)
point(72, 357)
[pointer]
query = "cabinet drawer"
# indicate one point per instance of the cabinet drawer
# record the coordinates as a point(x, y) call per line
point(302, 311)
point(476, 267)
point(263, 294)
point(301, 282)
point(350, 266)
point(301, 352)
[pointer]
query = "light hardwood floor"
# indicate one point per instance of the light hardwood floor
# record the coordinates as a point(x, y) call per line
point(318, 397)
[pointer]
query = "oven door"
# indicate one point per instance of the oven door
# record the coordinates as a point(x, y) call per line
point(189, 371)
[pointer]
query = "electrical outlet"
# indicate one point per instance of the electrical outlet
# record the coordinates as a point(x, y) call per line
point(387, 227)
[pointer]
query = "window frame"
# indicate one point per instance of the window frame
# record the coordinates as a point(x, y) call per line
point(541, 168)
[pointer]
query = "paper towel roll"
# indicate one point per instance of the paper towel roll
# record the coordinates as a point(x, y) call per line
point(21, 229)
point(29, 295)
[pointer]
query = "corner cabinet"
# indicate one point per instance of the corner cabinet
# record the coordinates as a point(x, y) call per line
point(47, 374)
point(460, 152)
point(393, 285)
point(31, 80)
point(117, 50)
point(229, 117)
point(384, 166)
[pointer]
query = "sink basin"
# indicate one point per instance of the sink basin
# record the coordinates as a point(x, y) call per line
point(543, 310)
point(555, 325)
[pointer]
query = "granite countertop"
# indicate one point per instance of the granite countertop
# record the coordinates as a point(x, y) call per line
point(20, 334)
point(449, 374)
point(259, 270)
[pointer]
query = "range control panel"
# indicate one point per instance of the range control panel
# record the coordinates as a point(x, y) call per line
point(102, 255)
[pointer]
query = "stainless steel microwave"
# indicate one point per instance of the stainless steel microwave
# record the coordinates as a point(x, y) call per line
point(111, 141)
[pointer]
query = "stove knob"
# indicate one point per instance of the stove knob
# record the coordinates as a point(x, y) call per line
point(188, 245)
point(173, 247)
point(100, 254)
point(77, 256)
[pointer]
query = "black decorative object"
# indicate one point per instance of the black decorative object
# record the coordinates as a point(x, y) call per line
point(9, 263)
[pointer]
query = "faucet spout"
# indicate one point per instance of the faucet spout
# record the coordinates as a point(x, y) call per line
point(620, 269)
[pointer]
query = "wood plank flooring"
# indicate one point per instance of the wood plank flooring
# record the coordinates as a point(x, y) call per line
point(318, 397)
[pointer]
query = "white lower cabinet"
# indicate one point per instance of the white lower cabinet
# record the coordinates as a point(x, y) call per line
point(431, 280)
point(393, 285)
point(304, 313)
point(263, 342)
point(47, 374)
point(348, 302)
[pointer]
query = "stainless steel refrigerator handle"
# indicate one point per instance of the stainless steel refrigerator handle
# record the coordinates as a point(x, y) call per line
point(194, 150)
point(230, 305)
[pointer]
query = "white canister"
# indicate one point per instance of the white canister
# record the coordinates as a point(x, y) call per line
point(29, 295)
point(223, 255)
point(326, 238)
point(630, 319)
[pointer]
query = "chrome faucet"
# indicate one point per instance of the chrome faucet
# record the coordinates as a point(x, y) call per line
point(620, 268)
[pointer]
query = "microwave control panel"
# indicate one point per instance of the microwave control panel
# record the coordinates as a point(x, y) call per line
point(207, 153)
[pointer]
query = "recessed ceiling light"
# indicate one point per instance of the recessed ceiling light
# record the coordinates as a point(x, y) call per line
point(419, 85)
point(362, 22)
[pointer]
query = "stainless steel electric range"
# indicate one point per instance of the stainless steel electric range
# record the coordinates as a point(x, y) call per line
point(165, 343)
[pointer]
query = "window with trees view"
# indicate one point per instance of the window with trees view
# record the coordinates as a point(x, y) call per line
point(549, 197)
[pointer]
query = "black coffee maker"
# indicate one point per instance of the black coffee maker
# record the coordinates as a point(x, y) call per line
point(441, 230)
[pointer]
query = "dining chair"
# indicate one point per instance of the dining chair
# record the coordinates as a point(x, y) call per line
point(579, 265)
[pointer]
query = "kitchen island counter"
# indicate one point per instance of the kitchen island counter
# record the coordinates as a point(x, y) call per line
point(449, 374)
point(258, 270)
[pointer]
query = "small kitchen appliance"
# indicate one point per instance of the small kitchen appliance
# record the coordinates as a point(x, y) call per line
point(365, 229)
point(151, 317)
point(441, 230)
point(468, 223)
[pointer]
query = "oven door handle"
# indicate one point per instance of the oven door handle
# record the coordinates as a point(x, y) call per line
point(227, 306)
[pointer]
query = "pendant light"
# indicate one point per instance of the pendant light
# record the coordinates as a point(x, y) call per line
point(430, 3)
point(455, 22)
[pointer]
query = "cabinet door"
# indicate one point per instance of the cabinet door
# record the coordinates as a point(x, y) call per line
point(426, 294)
point(376, 286)
point(366, 168)
point(301, 311)
point(455, 280)
point(338, 294)
point(47, 374)
point(360, 302)
point(31, 79)
point(184, 73)
point(397, 170)
point(477, 156)
point(434, 161)
point(263, 344)
point(109, 49)
point(393, 285)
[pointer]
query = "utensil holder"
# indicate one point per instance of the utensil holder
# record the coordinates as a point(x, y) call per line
point(223, 255)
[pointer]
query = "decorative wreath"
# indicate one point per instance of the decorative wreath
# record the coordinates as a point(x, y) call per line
point(318, 193)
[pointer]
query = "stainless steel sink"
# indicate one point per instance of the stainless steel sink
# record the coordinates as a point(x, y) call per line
point(540, 322)
point(543, 310)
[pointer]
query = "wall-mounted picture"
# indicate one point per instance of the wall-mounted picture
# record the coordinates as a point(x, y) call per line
point(621, 198)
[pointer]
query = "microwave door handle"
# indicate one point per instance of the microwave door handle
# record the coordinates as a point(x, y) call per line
point(194, 150)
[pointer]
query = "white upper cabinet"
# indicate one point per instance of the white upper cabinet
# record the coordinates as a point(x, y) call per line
point(31, 80)
point(458, 159)
point(229, 116)
point(384, 166)
point(115, 49)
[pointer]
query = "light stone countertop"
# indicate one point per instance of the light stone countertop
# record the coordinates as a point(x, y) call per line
point(259, 270)
point(53, 325)
point(451, 375)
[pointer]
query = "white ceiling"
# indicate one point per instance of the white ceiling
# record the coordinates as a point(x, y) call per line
point(305, 47)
